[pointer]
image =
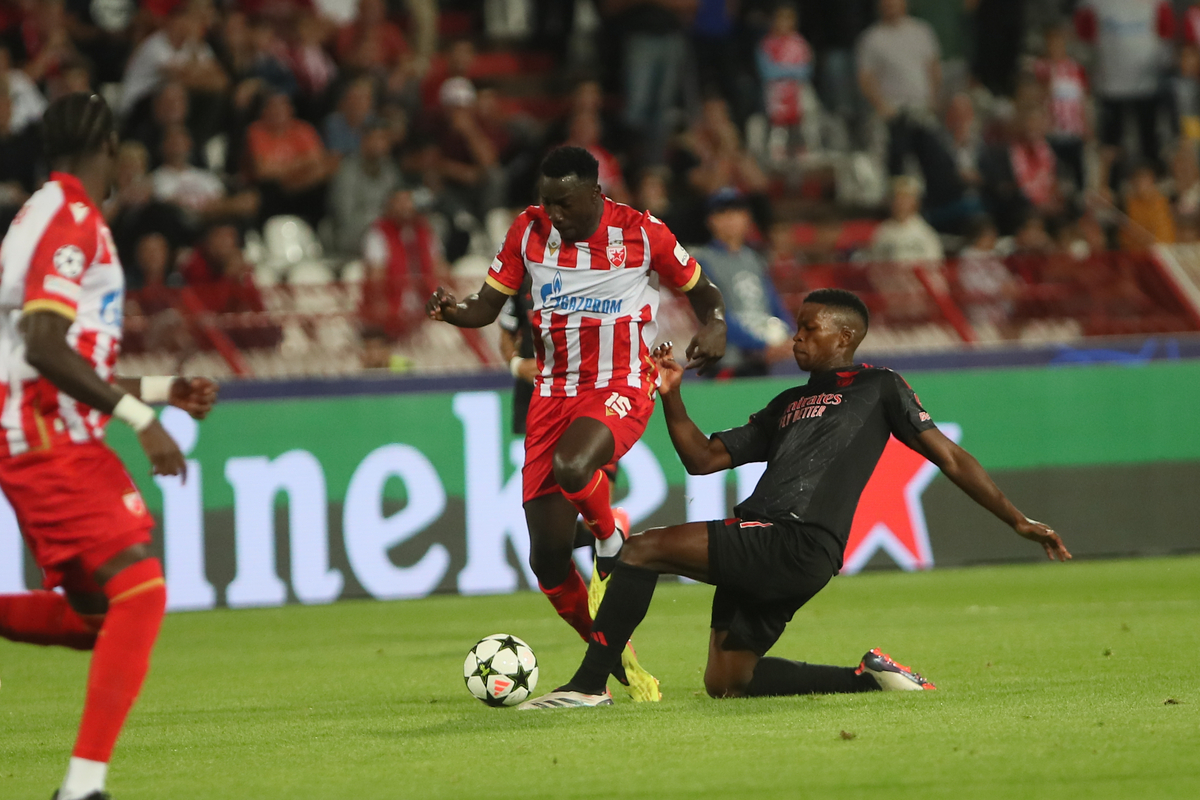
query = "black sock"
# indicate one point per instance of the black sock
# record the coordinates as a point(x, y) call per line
point(630, 590)
point(776, 677)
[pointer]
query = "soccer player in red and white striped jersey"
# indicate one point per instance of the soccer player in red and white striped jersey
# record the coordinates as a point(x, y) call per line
point(595, 267)
point(61, 296)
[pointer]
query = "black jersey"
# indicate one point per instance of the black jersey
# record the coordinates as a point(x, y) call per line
point(821, 442)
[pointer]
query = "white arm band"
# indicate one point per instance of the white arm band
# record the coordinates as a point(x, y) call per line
point(157, 388)
point(134, 413)
point(514, 366)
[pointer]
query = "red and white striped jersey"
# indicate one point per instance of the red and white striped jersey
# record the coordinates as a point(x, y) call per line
point(594, 301)
point(1067, 88)
point(58, 256)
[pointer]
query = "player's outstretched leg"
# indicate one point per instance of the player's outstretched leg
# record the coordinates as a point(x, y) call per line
point(45, 618)
point(137, 598)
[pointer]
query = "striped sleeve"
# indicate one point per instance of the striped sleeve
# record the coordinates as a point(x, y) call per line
point(669, 258)
point(508, 267)
point(61, 256)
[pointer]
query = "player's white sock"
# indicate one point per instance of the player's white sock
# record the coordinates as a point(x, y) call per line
point(608, 548)
point(83, 778)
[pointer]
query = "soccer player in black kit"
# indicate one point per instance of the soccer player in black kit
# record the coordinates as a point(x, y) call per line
point(821, 442)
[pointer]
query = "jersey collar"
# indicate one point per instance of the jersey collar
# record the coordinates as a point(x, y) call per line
point(833, 375)
point(72, 187)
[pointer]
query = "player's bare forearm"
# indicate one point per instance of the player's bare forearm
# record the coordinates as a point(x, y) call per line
point(708, 345)
point(476, 311)
point(969, 475)
point(47, 351)
point(700, 454)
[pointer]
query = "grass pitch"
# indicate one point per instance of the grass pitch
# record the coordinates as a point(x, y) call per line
point(1064, 681)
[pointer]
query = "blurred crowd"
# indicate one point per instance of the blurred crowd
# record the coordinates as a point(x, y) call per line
point(404, 134)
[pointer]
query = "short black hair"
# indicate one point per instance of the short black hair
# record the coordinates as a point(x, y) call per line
point(77, 124)
point(564, 161)
point(841, 298)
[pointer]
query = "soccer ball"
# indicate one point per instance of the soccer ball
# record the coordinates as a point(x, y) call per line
point(501, 670)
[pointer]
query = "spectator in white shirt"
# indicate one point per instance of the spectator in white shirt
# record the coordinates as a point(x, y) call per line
point(902, 245)
point(177, 52)
point(197, 191)
point(900, 74)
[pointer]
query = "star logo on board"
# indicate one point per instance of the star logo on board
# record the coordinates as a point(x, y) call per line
point(890, 515)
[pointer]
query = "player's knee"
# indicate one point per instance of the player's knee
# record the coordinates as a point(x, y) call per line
point(549, 564)
point(572, 473)
point(637, 551)
point(721, 687)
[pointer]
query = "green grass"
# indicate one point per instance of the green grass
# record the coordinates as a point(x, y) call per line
point(1052, 681)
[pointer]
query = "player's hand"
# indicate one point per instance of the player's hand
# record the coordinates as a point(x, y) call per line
point(439, 303)
point(707, 347)
point(1041, 533)
point(669, 372)
point(165, 457)
point(196, 396)
point(527, 370)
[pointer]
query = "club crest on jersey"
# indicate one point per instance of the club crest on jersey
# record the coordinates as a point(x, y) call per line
point(133, 502)
point(616, 255)
point(617, 405)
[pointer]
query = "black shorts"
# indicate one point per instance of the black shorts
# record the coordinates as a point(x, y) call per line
point(764, 572)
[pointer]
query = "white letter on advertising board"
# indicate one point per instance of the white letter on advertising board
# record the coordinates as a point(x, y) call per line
point(12, 551)
point(369, 535)
point(255, 482)
point(183, 522)
point(494, 512)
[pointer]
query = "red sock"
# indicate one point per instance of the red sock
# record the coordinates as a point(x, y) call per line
point(44, 618)
point(593, 501)
point(570, 600)
point(137, 597)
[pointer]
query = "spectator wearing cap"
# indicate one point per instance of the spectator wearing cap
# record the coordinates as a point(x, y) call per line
point(759, 333)
point(466, 158)
point(363, 183)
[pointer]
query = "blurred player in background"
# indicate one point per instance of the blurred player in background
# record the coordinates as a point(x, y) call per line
point(62, 292)
point(821, 442)
point(594, 301)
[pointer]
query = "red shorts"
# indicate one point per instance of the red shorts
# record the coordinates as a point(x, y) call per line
point(77, 508)
point(625, 410)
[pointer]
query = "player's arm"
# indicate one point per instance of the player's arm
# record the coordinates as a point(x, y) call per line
point(196, 396)
point(476, 311)
point(708, 345)
point(47, 351)
point(969, 475)
point(700, 454)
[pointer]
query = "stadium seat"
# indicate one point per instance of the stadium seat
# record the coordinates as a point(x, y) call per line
point(290, 240)
point(309, 273)
point(354, 272)
point(215, 150)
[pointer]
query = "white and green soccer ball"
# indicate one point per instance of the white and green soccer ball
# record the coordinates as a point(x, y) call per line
point(501, 670)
